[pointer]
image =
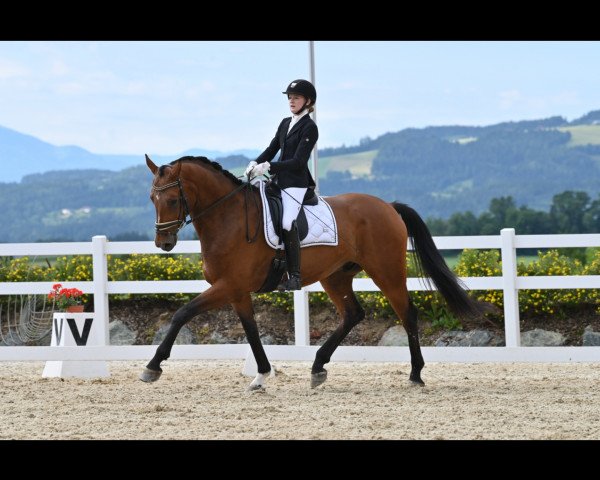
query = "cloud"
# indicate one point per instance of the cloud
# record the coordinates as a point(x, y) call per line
point(70, 88)
point(59, 68)
point(10, 69)
point(514, 99)
point(509, 98)
point(566, 98)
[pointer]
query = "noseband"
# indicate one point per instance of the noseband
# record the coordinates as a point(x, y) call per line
point(182, 222)
point(164, 226)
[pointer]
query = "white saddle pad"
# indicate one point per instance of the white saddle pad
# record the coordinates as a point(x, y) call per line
point(322, 228)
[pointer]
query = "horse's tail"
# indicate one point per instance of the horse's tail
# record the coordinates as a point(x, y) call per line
point(431, 263)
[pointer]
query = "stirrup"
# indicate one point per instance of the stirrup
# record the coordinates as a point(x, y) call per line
point(292, 283)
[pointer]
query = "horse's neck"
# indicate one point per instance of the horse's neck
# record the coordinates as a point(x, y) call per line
point(223, 227)
point(210, 187)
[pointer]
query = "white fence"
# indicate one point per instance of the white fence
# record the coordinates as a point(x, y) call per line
point(509, 283)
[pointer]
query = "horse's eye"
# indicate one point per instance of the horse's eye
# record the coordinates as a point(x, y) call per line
point(172, 202)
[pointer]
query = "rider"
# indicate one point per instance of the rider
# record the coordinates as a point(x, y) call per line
point(296, 136)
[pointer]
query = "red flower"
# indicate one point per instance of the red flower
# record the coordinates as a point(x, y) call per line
point(65, 297)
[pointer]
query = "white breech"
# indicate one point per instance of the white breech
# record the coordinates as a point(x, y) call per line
point(292, 198)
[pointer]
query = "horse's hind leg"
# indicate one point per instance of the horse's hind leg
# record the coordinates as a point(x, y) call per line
point(416, 358)
point(394, 288)
point(245, 311)
point(339, 288)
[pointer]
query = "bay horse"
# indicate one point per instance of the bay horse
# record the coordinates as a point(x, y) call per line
point(226, 213)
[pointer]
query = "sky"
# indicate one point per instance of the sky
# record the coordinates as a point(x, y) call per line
point(168, 97)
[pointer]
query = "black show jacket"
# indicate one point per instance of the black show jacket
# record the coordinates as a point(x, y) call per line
point(291, 168)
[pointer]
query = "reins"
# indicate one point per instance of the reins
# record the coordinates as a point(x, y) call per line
point(180, 223)
point(248, 192)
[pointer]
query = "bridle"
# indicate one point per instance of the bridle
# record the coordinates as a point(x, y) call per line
point(182, 222)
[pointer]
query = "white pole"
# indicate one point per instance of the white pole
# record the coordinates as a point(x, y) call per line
point(100, 272)
point(311, 52)
point(301, 318)
point(512, 327)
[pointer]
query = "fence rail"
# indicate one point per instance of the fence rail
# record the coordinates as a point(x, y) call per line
point(99, 248)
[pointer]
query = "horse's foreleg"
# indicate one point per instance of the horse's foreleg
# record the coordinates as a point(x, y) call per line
point(245, 311)
point(214, 297)
point(339, 288)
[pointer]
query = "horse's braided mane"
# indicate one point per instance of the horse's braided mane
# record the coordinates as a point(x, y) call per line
point(204, 161)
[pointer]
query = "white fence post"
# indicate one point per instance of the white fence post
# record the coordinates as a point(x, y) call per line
point(512, 329)
point(301, 320)
point(100, 271)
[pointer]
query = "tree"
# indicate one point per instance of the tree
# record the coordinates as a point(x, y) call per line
point(532, 222)
point(488, 225)
point(567, 211)
point(501, 209)
point(463, 224)
point(130, 237)
point(591, 218)
point(437, 226)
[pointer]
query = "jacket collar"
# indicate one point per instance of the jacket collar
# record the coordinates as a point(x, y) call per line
point(298, 123)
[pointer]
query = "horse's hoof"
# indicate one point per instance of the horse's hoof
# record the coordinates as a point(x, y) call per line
point(318, 378)
point(150, 375)
point(417, 382)
point(256, 388)
point(259, 381)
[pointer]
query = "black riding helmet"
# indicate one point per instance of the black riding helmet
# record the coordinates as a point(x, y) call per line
point(304, 88)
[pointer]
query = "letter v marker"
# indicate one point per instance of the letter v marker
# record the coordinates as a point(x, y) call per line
point(58, 331)
point(87, 326)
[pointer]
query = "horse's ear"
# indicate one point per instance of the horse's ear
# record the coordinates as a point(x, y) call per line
point(151, 165)
point(175, 169)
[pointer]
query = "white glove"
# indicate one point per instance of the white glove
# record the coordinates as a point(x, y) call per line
point(249, 168)
point(260, 169)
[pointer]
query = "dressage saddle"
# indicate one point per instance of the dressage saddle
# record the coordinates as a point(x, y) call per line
point(274, 193)
point(278, 264)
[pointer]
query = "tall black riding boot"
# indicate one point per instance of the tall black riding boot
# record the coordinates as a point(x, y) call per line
point(291, 244)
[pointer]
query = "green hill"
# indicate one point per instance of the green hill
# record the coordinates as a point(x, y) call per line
point(358, 164)
point(437, 170)
point(582, 135)
point(442, 170)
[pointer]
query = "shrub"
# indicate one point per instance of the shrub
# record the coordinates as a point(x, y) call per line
point(137, 267)
point(76, 268)
point(593, 268)
point(277, 299)
point(550, 301)
point(471, 263)
point(482, 263)
point(21, 270)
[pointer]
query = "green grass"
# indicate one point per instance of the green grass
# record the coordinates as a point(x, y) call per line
point(527, 259)
point(359, 164)
point(583, 135)
point(454, 189)
point(452, 258)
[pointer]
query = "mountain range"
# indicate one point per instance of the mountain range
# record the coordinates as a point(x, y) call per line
point(437, 170)
point(27, 155)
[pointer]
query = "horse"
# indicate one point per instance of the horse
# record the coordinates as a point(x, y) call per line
point(227, 217)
